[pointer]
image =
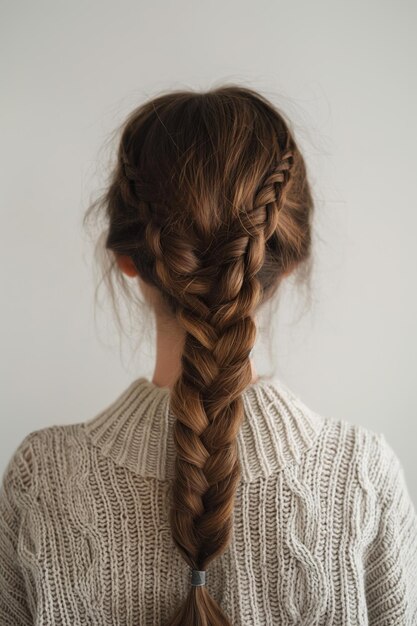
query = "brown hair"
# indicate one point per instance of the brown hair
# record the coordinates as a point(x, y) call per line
point(209, 198)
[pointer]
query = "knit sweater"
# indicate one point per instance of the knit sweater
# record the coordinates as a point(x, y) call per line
point(325, 531)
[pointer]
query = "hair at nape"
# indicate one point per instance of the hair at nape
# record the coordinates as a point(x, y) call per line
point(209, 198)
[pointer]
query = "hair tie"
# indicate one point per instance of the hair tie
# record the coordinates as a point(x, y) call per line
point(198, 578)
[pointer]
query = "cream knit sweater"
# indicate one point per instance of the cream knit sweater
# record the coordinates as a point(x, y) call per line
point(325, 531)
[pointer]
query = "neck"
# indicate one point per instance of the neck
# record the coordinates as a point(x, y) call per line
point(169, 346)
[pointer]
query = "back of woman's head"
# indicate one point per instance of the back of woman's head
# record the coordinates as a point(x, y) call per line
point(210, 200)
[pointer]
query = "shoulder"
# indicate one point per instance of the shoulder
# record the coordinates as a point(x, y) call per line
point(368, 452)
point(342, 442)
point(40, 448)
point(366, 441)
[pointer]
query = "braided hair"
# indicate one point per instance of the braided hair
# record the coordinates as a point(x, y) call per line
point(210, 200)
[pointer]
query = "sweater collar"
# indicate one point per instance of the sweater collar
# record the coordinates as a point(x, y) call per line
point(135, 430)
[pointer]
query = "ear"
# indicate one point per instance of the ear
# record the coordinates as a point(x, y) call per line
point(126, 264)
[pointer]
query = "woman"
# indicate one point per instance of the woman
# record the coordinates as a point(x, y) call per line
point(208, 495)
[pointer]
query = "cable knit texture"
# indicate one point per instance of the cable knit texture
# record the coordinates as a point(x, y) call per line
point(325, 531)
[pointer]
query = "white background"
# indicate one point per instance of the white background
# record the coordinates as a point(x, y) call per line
point(344, 72)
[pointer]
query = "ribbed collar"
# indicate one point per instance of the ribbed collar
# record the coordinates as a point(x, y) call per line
point(135, 430)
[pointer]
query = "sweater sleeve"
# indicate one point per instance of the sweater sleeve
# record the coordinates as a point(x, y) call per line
point(391, 562)
point(14, 608)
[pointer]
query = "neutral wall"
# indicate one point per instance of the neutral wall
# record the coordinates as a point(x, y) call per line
point(342, 71)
